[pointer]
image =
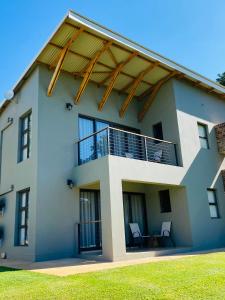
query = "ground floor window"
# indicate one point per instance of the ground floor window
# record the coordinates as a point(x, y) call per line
point(90, 220)
point(22, 218)
point(213, 205)
point(164, 197)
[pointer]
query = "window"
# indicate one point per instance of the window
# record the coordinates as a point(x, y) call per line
point(158, 131)
point(96, 145)
point(22, 218)
point(164, 197)
point(25, 137)
point(203, 136)
point(213, 206)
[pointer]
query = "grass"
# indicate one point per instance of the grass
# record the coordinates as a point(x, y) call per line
point(200, 277)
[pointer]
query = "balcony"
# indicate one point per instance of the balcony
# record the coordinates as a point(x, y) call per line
point(117, 142)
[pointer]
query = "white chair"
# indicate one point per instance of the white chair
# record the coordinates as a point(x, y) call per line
point(158, 156)
point(165, 232)
point(137, 235)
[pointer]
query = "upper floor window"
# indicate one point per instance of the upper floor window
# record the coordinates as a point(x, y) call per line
point(164, 197)
point(22, 218)
point(158, 131)
point(203, 135)
point(213, 205)
point(25, 137)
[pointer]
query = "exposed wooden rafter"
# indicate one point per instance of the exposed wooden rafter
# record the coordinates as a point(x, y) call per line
point(89, 70)
point(113, 78)
point(98, 63)
point(154, 91)
point(61, 59)
point(112, 57)
point(134, 87)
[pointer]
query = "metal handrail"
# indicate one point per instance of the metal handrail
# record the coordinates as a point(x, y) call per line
point(89, 222)
point(125, 131)
point(90, 135)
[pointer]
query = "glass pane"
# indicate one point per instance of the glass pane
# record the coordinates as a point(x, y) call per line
point(211, 196)
point(89, 213)
point(213, 211)
point(25, 123)
point(137, 208)
point(86, 147)
point(25, 139)
point(22, 220)
point(23, 199)
point(22, 236)
point(86, 127)
point(24, 153)
point(101, 139)
point(202, 130)
point(204, 143)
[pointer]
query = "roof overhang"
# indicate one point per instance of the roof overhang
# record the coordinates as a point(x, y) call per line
point(88, 50)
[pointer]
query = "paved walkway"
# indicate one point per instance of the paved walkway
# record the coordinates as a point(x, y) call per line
point(72, 266)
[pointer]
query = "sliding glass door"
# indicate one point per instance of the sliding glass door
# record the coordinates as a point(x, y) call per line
point(134, 206)
point(95, 146)
point(90, 220)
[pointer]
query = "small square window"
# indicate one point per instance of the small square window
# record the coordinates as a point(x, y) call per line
point(213, 206)
point(203, 135)
point(165, 205)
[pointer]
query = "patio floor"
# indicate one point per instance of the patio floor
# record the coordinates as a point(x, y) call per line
point(72, 266)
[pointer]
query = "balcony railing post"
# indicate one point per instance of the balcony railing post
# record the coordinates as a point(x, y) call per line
point(176, 157)
point(108, 140)
point(146, 149)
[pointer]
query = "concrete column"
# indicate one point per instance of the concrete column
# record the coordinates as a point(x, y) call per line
point(112, 216)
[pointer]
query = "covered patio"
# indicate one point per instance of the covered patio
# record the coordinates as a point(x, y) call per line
point(148, 206)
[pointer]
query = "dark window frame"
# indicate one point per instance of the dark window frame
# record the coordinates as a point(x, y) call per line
point(215, 204)
point(144, 208)
point(22, 133)
point(154, 130)
point(165, 208)
point(110, 124)
point(20, 210)
point(97, 197)
point(206, 137)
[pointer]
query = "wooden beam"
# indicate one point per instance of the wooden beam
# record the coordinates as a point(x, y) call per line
point(61, 59)
point(155, 90)
point(98, 63)
point(211, 90)
point(89, 70)
point(112, 57)
point(134, 87)
point(112, 82)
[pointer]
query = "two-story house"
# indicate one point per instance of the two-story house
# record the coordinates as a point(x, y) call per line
point(99, 133)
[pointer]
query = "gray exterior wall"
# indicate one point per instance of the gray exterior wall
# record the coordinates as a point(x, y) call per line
point(23, 174)
point(54, 208)
point(202, 166)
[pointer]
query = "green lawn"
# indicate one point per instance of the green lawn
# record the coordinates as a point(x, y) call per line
point(201, 277)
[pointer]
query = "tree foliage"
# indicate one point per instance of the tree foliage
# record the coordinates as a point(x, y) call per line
point(221, 78)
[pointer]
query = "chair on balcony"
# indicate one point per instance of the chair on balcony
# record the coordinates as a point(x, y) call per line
point(158, 156)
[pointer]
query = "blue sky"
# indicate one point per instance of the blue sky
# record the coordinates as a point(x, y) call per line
point(190, 32)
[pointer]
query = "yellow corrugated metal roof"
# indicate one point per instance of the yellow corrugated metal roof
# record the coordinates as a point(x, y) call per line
point(91, 40)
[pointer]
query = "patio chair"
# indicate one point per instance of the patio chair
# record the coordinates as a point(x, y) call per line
point(165, 233)
point(138, 238)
